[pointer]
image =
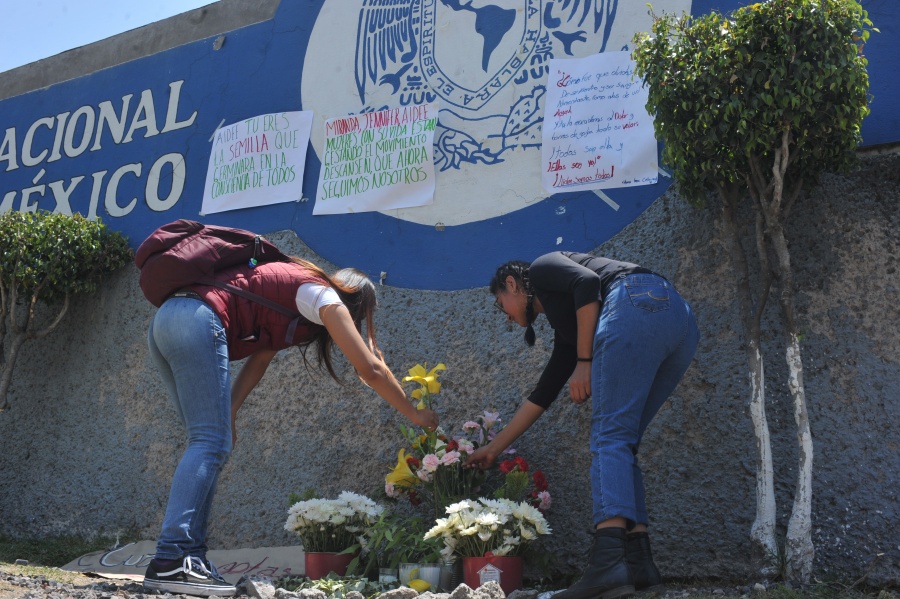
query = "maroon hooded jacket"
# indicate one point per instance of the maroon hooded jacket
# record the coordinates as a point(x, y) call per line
point(249, 325)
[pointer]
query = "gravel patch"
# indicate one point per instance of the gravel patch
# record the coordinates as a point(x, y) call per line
point(77, 586)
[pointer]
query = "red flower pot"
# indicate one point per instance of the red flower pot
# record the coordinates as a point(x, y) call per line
point(319, 564)
point(505, 570)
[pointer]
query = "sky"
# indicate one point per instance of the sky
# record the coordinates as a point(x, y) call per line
point(34, 29)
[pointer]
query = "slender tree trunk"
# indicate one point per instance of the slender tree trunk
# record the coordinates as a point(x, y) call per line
point(799, 549)
point(23, 332)
point(762, 532)
point(7, 314)
point(774, 205)
point(8, 366)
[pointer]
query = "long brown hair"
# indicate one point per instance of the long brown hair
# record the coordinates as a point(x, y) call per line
point(357, 292)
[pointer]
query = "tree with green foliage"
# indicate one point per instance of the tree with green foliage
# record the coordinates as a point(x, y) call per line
point(753, 107)
point(46, 258)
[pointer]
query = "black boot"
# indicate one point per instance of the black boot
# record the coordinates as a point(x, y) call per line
point(640, 561)
point(606, 575)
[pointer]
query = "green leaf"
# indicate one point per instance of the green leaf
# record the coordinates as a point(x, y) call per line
point(783, 61)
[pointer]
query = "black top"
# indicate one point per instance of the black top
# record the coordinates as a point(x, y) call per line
point(564, 282)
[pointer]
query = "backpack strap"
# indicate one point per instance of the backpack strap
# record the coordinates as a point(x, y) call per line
point(297, 317)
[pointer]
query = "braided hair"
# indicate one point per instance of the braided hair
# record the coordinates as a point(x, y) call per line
point(518, 270)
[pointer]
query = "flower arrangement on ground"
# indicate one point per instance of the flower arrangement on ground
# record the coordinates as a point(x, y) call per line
point(333, 525)
point(521, 485)
point(395, 538)
point(432, 469)
point(501, 527)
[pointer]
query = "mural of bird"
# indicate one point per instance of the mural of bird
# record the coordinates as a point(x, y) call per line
point(385, 37)
point(576, 12)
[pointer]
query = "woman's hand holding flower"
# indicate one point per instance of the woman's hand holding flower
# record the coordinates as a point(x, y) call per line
point(482, 458)
point(425, 418)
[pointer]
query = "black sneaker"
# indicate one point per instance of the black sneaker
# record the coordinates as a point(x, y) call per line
point(192, 576)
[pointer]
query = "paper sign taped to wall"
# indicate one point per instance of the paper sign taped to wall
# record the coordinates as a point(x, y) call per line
point(257, 162)
point(378, 161)
point(597, 132)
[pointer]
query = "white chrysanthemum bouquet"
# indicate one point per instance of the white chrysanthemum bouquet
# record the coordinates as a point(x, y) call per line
point(333, 525)
point(498, 526)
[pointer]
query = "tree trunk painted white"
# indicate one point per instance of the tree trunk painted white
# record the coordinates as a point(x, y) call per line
point(799, 550)
point(762, 533)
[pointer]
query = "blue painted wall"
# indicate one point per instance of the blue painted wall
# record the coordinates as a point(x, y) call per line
point(63, 147)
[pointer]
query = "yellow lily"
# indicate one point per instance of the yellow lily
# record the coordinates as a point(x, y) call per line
point(420, 395)
point(401, 475)
point(426, 378)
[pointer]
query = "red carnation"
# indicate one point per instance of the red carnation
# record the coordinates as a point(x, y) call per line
point(413, 462)
point(452, 445)
point(540, 481)
point(507, 466)
point(521, 463)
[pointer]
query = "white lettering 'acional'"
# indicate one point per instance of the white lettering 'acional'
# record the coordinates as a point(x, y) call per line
point(70, 133)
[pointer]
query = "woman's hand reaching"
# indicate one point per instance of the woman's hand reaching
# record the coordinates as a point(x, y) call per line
point(427, 419)
point(482, 458)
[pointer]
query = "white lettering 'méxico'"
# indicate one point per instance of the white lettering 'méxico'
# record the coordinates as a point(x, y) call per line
point(166, 171)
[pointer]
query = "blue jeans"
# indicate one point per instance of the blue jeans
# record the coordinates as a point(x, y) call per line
point(187, 343)
point(645, 340)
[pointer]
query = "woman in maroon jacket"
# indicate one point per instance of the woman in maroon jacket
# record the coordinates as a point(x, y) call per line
point(193, 337)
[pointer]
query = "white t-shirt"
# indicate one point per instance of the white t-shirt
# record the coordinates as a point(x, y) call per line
point(312, 297)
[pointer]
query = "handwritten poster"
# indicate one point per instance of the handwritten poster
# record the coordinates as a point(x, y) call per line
point(597, 133)
point(257, 162)
point(378, 161)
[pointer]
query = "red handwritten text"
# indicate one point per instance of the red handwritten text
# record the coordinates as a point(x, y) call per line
point(561, 180)
point(556, 165)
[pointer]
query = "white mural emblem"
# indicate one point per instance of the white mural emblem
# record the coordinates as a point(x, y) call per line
point(484, 62)
point(502, 22)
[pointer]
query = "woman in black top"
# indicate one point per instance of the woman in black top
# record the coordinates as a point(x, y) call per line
point(624, 338)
